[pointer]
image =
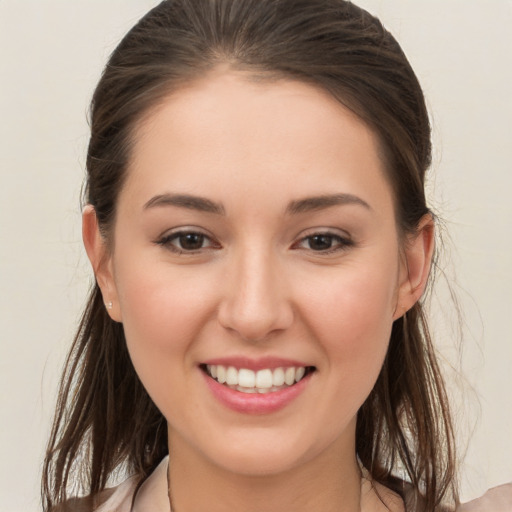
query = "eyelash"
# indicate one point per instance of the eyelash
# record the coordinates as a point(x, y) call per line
point(166, 241)
point(342, 243)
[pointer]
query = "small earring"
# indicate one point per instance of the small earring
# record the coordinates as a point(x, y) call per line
point(108, 305)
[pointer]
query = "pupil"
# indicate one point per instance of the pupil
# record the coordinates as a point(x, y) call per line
point(192, 241)
point(320, 242)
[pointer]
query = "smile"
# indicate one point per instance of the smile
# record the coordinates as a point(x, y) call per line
point(263, 381)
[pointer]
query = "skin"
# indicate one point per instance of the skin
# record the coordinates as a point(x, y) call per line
point(258, 287)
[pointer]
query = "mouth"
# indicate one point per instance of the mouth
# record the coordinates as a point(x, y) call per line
point(263, 381)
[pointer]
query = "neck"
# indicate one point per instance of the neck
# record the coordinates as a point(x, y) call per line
point(330, 482)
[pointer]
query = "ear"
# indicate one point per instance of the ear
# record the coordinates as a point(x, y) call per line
point(101, 261)
point(415, 266)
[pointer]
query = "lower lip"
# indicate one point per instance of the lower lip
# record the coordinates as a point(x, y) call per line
point(255, 403)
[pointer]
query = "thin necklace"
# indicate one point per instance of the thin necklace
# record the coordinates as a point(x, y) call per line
point(362, 470)
point(171, 506)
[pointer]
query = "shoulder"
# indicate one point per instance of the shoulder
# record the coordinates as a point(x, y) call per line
point(115, 499)
point(119, 499)
point(151, 495)
point(497, 499)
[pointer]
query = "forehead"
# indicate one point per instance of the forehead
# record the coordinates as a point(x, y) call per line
point(227, 133)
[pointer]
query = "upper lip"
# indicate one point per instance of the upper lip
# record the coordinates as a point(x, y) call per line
point(255, 364)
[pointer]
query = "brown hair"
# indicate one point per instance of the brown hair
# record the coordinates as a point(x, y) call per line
point(104, 418)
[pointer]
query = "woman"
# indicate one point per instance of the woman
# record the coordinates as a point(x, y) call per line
point(257, 226)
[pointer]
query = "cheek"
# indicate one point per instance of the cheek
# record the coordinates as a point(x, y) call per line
point(349, 314)
point(163, 313)
point(163, 310)
point(352, 315)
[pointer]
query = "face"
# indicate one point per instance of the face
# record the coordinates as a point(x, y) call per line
point(255, 241)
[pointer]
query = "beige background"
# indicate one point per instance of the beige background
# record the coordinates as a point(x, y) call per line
point(51, 55)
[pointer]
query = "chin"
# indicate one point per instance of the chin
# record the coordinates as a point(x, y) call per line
point(266, 452)
point(263, 463)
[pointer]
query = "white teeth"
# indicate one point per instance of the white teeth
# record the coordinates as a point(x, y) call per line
point(246, 378)
point(221, 374)
point(289, 376)
point(299, 373)
point(246, 390)
point(278, 377)
point(262, 381)
point(232, 377)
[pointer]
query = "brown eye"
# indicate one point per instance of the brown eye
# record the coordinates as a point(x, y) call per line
point(187, 241)
point(321, 242)
point(190, 241)
point(324, 243)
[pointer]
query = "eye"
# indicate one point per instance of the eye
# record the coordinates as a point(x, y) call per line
point(187, 241)
point(324, 242)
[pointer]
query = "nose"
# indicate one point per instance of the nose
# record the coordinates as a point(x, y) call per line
point(255, 302)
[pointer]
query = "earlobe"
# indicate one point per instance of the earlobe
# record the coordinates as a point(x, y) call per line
point(101, 262)
point(416, 264)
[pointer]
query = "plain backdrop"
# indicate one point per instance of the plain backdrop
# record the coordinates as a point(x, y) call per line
point(51, 55)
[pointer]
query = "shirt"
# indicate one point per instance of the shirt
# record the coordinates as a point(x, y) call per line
point(152, 496)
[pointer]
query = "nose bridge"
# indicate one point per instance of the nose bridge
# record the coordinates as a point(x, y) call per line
point(255, 301)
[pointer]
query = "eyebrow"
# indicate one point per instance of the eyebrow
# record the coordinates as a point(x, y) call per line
point(305, 205)
point(186, 201)
point(310, 204)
